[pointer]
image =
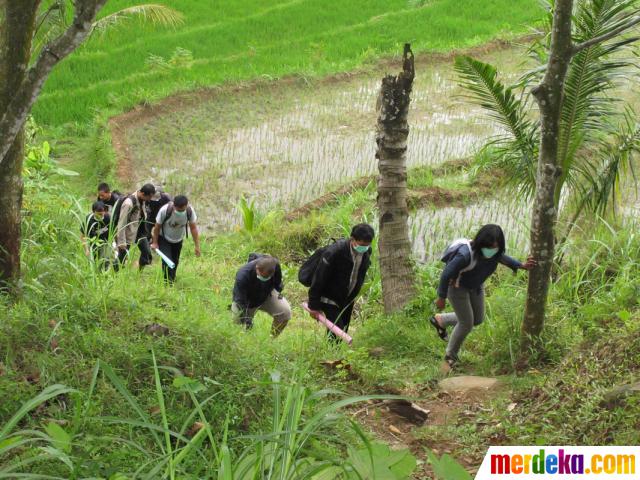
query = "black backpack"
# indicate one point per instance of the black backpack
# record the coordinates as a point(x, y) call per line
point(254, 256)
point(309, 267)
point(115, 214)
point(170, 212)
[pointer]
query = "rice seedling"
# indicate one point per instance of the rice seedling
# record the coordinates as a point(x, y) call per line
point(234, 41)
point(283, 147)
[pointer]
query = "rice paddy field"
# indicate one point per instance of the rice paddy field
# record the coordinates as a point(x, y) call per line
point(221, 41)
point(283, 145)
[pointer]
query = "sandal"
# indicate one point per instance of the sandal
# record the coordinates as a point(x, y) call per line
point(451, 360)
point(442, 332)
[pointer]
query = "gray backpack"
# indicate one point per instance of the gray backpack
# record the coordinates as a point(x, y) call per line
point(452, 251)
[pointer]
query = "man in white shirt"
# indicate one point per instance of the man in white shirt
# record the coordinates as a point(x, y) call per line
point(172, 222)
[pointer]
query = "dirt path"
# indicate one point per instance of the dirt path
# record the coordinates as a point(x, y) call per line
point(402, 428)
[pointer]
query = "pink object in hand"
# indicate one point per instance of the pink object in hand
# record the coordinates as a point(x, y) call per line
point(332, 327)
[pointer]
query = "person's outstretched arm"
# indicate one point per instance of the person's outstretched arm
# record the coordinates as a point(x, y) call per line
point(515, 265)
point(241, 292)
point(277, 279)
point(155, 234)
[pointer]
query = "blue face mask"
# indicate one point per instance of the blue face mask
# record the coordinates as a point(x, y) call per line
point(263, 279)
point(361, 248)
point(489, 252)
point(180, 214)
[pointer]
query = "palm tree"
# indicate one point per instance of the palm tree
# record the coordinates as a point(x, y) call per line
point(593, 123)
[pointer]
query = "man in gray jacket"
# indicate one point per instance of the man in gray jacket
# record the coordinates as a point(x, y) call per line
point(130, 211)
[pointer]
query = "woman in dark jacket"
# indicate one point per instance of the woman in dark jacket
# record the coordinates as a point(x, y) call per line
point(468, 265)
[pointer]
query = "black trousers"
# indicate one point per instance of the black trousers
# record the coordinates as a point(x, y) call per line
point(145, 252)
point(171, 250)
point(122, 257)
point(341, 316)
point(144, 246)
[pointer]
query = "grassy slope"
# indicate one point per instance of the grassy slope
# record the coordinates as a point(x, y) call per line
point(102, 317)
point(234, 41)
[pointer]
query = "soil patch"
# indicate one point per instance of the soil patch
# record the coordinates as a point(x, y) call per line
point(445, 409)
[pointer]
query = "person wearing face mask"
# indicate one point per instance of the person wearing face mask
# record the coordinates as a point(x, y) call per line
point(339, 276)
point(95, 235)
point(259, 286)
point(145, 230)
point(172, 224)
point(468, 265)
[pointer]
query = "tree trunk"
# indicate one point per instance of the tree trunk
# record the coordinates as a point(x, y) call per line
point(19, 90)
point(549, 95)
point(398, 281)
point(17, 34)
point(15, 113)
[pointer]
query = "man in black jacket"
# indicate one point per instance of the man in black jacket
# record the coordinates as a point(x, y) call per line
point(108, 197)
point(339, 276)
point(259, 286)
point(95, 235)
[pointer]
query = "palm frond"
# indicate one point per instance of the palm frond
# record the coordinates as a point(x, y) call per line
point(52, 20)
point(151, 13)
point(602, 176)
point(515, 151)
point(538, 51)
point(592, 75)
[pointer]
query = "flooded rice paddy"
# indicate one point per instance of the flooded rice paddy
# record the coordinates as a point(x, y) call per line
point(283, 146)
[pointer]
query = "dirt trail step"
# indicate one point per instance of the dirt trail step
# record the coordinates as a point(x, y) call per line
point(469, 384)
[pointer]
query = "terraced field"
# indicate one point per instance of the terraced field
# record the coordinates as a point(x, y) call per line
point(227, 42)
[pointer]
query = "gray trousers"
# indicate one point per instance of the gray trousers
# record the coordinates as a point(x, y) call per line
point(278, 308)
point(468, 306)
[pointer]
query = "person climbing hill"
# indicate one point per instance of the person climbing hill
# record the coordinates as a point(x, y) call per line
point(469, 263)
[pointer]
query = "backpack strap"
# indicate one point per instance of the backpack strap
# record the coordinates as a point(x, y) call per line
point(133, 199)
point(117, 208)
point(472, 262)
point(167, 215)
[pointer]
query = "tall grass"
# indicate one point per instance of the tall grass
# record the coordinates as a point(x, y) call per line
point(300, 418)
point(234, 41)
